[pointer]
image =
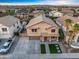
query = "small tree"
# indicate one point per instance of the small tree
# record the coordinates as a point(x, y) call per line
point(75, 30)
point(73, 10)
point(61, 34)
point(68, 22)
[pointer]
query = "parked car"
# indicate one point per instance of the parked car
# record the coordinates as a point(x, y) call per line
point(6, 46)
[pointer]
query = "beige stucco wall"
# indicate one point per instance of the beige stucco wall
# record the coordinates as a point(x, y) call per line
point(43, 29)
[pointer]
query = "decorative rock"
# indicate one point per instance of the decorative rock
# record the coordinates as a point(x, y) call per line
point(58, 50)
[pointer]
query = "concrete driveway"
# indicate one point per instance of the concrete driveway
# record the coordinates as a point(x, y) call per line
point(34, 46)
point(30, 49)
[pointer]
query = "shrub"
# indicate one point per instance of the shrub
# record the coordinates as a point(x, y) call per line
point(52, 18)
point(61, 34)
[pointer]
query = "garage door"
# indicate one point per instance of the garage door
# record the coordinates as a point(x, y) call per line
point(34, 38)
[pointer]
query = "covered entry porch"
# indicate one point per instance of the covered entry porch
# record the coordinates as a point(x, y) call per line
point(49, 38)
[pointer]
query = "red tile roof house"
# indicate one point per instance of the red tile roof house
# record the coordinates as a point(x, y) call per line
point(9, 25)
point(42, 28)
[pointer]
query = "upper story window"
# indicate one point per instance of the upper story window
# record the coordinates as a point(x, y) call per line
point(4, 29)
point(52, 30)
point(34, 30)
point(17, 26)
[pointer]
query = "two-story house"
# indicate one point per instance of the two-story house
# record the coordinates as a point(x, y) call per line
point(21, 13)
point(42, 28)
point(8, 26)
point(61, 21)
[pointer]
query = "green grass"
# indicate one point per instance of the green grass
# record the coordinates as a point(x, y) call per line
point(43, 49)
point(53, 48)
point(53, 18)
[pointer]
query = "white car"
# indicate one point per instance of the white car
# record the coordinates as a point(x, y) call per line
point(6, 46)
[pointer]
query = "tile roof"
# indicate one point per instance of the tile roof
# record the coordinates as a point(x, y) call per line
point(74, 19)
point(40, 19)
point(8, 20)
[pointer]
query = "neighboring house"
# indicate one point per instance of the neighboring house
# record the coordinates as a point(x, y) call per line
point(42, 28)
point(37, 12)
point(61, 21)
point(67, 11)
point(54, 9)
point(21, 13)
point(2, 10)
point(55, 14)
point(9, 25)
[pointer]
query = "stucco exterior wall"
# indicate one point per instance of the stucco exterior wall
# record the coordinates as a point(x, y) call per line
point(10, 30)
point(4, 34)
point(43, 29)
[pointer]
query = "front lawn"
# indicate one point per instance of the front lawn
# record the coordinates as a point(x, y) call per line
point(43, 49)
point(54, 48)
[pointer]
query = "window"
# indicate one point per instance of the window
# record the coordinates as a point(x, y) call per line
point(53, 30)
point(17, 26)
point(4, 29)
point(34, 30)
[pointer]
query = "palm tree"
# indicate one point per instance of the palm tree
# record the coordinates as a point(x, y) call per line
point(73, 10)
point(75, 30)
point(68, 22)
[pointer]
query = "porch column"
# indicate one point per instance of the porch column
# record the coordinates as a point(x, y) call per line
point(42, 38)
point(49, 39)
point(57, 39)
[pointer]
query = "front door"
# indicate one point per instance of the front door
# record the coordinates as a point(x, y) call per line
point(45, 38)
